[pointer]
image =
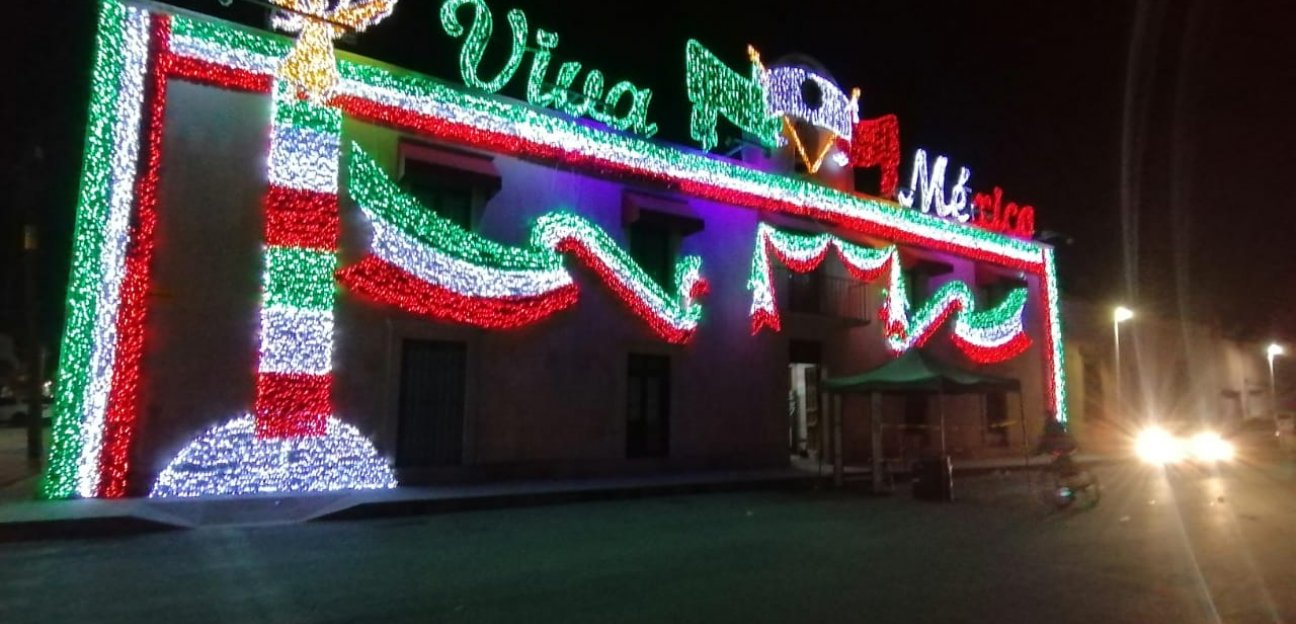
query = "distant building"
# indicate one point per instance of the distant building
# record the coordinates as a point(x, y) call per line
point(1171, 370)
point(401, 280)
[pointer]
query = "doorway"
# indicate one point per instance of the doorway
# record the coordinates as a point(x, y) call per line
point(805, 405)
point(430, 420)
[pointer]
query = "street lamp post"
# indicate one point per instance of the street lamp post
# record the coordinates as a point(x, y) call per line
point(1273, 350)
point(1119, 315)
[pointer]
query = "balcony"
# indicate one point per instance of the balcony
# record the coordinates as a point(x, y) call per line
point(825, 296)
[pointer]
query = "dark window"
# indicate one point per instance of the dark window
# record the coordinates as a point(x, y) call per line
point(648, 406)
point(804, 352)
point(451, 202)
point(652, 246)
point(996, 418)
point(805, 291)
point(431, 408)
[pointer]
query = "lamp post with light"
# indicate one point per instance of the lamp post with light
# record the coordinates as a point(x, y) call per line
point(1120, 315)
point(1273, 350)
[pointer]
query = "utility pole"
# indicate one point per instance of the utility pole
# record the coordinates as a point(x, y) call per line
point(35, 353)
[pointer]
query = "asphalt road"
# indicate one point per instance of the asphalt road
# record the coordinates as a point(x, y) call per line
point(1186, 547)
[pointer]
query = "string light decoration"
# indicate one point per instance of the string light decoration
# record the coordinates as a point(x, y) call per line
point(438, 111)
point(672, 316)
point(785, 94)
point(427, 265)
point(987, 336)
point(1012, 219)
point(312, 65)
point(876, 143)
point(801, 253)
point(591, 101)
point(715, 91)
point(1054, 353)
point(234, 460)
point(123, 398)
point(292, 442)
point(929, 187)
point(234, 58)
point(992, 335)
point(99, 252)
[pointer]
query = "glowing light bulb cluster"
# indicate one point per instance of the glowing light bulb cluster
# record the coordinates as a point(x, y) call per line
point(984, 336)
point(715, 91)
point(427, 265)
point(99, 252)
point(1054, 353)
point(785, 95)
point(673, 316)
point(98, 367)
point(801, 253)
point(991, 335)
point(876, 143)
point(312, 66)
point(233, 459)
point(438, 111)
point(928, 186)
point(292, 443)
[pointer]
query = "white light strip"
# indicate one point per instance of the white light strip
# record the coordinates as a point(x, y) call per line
point(465, 278)
point(783, 96)
point(232, 460)
point(296, 341)
point(125, 157)
point(304, 159)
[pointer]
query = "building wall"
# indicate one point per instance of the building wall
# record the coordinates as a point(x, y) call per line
point(546, 399)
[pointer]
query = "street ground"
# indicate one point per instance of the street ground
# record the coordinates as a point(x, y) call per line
point(1187, 547)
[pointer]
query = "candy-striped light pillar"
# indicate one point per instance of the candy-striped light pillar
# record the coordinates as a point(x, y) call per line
point(294, 370)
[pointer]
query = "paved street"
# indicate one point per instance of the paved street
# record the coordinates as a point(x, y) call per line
point(1189, 548)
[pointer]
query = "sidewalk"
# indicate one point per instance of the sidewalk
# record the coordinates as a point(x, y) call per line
point(24, 520)
point(17, 477)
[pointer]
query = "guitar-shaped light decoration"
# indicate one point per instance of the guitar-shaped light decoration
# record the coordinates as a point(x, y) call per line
point(311, 65)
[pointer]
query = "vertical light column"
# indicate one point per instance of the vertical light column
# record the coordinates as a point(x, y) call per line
point(294, 370)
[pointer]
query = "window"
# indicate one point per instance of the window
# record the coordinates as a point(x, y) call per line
point(652, 245)
point(648, 406)
point(448, 199)
point(431, 406)
point(455, 184)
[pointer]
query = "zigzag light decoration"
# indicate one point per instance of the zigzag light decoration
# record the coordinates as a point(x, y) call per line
point(992, 335)
point(292, 442)
point(674, 317)
point(427, 265)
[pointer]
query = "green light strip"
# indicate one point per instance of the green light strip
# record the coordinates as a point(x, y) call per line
point(60, 476)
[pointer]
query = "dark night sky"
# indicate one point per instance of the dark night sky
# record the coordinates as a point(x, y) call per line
point(1030, 95)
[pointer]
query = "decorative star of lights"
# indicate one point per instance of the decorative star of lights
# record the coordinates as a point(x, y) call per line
point(311, 65)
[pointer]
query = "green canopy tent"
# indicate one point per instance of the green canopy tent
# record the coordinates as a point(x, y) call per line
point(911, 373)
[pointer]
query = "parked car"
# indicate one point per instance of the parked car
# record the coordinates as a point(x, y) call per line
point(13, 412)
